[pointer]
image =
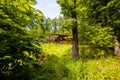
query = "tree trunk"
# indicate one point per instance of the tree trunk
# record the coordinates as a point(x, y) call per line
point(75, 53)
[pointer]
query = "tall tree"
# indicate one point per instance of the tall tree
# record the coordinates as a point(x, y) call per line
point(68, 9)
point(74, 32)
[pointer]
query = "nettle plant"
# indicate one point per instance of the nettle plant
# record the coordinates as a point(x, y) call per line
point(101, 38)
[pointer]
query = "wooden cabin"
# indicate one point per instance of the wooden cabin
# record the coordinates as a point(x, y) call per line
point(59, 38)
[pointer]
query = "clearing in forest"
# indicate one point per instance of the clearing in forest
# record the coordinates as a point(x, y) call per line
point(56, 49)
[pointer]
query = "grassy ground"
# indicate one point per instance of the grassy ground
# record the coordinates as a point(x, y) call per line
point(56, 49)
point(60, 67)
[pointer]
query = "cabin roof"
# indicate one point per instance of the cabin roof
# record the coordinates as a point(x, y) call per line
point(64, 35)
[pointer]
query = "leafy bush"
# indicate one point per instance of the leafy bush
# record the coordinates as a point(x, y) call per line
point(96, 40)
point(101, 36)
point(15, 40)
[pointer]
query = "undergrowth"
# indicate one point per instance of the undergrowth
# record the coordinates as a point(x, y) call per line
point(56, 49)
point(60, 66)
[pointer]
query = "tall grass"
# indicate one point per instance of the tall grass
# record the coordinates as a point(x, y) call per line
point(59, 65)
point(56, 49)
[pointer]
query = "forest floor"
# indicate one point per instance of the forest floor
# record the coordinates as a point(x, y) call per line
point(56, 49)
point(104, 68)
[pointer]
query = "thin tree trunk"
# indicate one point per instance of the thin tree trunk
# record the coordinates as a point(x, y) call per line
point(75, 53)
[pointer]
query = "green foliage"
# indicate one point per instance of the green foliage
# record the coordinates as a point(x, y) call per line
point(64, 68)
point(94, 69)
point(105, 13)
point(66, 7)
point(84, 32)
point(61, 49)
point(53, 69)
point(22, 27)
point(54, 25)
point(101, 37)
point(51, 26)
point(16, 41)
point(98, 22)
point(47, 25)
point(66, 25)
point(57, 25)
point(95, 40)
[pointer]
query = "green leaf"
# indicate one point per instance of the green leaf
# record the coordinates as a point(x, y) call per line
point(32, 3)
point(39, 11)
point(1, 12)
point(16, 3)
point(22, 8)
point(1, 30)
point(27, 17)
point(27, 7)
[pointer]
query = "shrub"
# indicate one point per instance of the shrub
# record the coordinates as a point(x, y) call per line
point(97, 41)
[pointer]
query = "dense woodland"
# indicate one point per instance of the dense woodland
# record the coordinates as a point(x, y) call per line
point(92, 52)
